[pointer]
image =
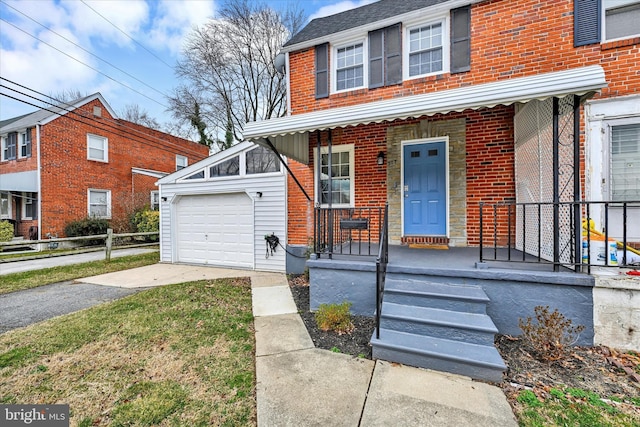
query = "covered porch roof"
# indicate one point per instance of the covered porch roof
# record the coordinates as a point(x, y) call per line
point(290, 134)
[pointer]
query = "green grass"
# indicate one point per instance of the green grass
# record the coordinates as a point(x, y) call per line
point(574, 407)
point(31, 279)
point(174, 355)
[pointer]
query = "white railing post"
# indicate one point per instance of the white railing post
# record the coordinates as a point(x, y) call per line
point(108, 244)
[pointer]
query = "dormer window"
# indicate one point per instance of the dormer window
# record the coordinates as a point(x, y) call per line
point(349, 67)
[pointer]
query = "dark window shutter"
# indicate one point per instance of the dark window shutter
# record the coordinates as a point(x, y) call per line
point(322, 71)
point(385, 56)
point(461, 39)
point(376, 59)
point(28, 144)
point(12, 142)
point(393, 54)
point(586, 22)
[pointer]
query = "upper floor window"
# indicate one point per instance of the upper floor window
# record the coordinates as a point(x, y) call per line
point(426, 49)
point(9, 143)
point(99, 203)
point(25, 144)
point(181, 162)
point(97, 148)
point(621, 19)
point(349, 66)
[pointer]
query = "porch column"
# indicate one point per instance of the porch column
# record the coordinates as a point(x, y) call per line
point(577, 207)
point(330, 201)
point(556, 185)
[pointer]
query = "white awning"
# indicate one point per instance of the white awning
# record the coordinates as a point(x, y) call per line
point(576, 81)
point(19, 182)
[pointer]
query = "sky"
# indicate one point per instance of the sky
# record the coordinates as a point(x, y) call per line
point(124, 49)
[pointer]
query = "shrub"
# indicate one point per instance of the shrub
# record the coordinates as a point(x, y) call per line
point(146, 221)
point(550, 335)
point(6, 231)
point(87, 227)
point(335, 317)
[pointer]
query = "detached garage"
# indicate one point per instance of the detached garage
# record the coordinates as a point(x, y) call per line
point(218, 211)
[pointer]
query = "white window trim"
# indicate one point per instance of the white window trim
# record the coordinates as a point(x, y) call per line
point(89, 190)
point(9, 210)
point(603, 24)
point(24, 198)
point(3, 147)
point(446, 46)
point(333, 61)
point(151, 203)
point(105, 159)
point(608, 124)
point(181, 157)
point(352, 190)
point(22, 143)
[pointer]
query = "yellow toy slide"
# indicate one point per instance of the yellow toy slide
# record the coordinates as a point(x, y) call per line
point(600, 236)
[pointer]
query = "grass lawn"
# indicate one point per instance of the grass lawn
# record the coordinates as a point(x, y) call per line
point(31, 279)
point(174, 355)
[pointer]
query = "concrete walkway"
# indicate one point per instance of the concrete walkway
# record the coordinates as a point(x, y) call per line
point(299, 385)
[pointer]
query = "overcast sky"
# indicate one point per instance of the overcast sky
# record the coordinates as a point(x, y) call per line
point(124, 49)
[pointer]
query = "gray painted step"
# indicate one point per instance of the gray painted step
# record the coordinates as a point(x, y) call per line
point(473, 360)
point(453, 325)
point(426, 293)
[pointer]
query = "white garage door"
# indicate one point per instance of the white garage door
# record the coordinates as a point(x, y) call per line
point(216, 229)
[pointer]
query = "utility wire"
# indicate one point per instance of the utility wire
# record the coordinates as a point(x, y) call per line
point(109, 128)
point(123, 32)
point(80, 47)
point(87, 65)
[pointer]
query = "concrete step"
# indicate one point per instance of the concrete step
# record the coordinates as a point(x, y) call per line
point(481, 362)
point(473, 328)
point(421, 291)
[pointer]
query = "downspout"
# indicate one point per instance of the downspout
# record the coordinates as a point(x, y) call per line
point(39, 179)
point(287, 83)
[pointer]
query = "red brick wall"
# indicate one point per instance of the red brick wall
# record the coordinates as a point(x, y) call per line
point(508, 39)
point(67, 174)
point(299, 209)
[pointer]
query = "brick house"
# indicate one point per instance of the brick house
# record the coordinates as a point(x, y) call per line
point(61, 164)
point(479, 123)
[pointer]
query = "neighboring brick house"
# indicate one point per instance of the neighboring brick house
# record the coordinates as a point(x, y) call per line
point(468, 86)
point(61, 164)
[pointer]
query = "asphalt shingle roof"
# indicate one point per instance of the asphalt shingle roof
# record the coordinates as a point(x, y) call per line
point(363, 15)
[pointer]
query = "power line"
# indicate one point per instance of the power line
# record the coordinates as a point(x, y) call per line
point(119, 130)
point(123, 32)
point(86, 65)
point(89, 52)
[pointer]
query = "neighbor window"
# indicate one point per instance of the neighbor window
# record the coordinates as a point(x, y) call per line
point(350, 66)
point(9, 143)
point(262, 160)
point(155, 201)
point(25, 144)
point(341, 192)
point(5, 206)
point(99, 203)
point(181, 162)
point(621, 19)
point(29, 206)
point(625, 162)
point(230, 167)
point(426, 49)
point(97, 148)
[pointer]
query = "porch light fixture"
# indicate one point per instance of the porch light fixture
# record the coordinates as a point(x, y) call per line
point(380, 158)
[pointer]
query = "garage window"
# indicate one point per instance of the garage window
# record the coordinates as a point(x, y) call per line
point(262, 160)
point(229, 167)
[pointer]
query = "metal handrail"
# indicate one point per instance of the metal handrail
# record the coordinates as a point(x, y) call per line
point(381, 267)
point(577, 249)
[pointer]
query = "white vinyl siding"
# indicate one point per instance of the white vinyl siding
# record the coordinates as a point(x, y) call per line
point(97, 148)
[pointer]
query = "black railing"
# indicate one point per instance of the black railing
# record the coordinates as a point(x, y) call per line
point(381, 267)
point(347, 231)
point(545, 233)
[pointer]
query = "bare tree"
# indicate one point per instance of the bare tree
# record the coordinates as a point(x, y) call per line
point(229, 72)
point(64, 96)
point(133, 113)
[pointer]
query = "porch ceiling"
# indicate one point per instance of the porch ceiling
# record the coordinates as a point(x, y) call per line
point(282, 131)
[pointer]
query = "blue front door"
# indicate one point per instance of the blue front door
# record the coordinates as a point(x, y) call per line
point(425, 189)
